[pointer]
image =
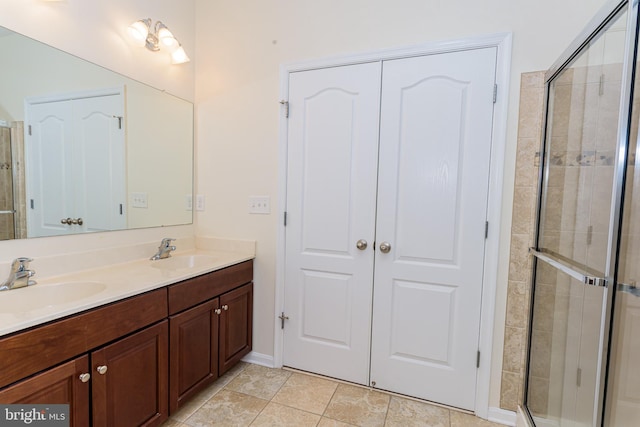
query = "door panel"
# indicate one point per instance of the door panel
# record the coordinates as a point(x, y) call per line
point(435, 144)
point(49, 168)
point(332, 167)
point(100, 157)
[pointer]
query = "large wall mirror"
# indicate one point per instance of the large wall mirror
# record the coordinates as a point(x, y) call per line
point(85, 149)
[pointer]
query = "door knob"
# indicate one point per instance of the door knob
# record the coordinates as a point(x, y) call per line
point(225, 307)
point(361, 244)
point(102, 369)
point(67, 221)
point(85, 377)
point(77, 221)
point(385, 247)
point(217, 311)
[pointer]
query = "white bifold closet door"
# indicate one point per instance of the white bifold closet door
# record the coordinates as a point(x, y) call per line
point(410, 177)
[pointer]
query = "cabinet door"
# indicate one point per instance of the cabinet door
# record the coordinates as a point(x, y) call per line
point(130, 380)
point(235, 326)
point(60, 385)
point(194, 351)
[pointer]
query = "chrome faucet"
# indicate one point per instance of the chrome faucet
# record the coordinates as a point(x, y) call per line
point(164, 250)
point(19, 275)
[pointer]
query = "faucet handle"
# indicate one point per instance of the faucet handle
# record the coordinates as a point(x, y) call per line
point(20, 264)
point(167, 241)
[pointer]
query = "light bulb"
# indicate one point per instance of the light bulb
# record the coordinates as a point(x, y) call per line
point(166, 38)
point(179, 56)
point(139, 31)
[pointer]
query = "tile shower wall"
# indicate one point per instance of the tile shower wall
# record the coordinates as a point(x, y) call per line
point(6, 185)
point(522, 228)
point(19, 183)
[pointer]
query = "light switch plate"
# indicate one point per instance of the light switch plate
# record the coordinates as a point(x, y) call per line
point(259, 205)
point(139, 200)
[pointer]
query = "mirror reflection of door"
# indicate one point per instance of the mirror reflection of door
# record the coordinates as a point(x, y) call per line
point(75, 160)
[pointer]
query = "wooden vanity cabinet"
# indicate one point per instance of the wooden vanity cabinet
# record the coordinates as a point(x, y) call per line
point(236, 322)
point(59, 385)
point(146, 355)
point(130, 379)
point(194, 351)
point(210, 328)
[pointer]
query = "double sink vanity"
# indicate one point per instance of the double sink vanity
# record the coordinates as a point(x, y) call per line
point(129, 343)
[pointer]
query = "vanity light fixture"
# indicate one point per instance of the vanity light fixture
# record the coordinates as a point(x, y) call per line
point(155, 37)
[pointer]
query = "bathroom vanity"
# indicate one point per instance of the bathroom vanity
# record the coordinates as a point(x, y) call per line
point(133, 361)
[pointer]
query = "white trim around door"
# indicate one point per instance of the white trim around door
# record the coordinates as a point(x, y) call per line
point(502, 42)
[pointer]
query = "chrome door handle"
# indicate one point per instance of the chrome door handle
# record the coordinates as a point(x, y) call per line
point(385, 247)
point(361, 244)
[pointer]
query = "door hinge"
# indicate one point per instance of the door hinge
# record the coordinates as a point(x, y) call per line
point(486, 229)
point(120, 208)
point(579, 377)
point(282, 318)
point(30, 130)
point(495, 93)
point(478, 359)
point(589, 234)
point(119, 121)
point(31, 204)
point(286, 107)
point(285, 218)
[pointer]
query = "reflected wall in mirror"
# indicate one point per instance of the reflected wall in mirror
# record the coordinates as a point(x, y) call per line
point(85, 149)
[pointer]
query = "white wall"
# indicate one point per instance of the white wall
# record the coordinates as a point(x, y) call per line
point(240, 46)
point(96, 30)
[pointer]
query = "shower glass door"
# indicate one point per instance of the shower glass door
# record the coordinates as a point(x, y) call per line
point(623, 389)
point(569, 325)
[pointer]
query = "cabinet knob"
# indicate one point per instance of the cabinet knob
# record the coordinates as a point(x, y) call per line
point(225, 307)
point(85, 377)
point(217, 311)
point(102, 369)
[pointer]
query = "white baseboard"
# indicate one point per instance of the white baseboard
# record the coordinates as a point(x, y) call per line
point(259, 359)
point(502, 416)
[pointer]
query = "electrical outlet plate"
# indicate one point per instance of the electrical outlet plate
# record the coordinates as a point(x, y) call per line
point(200, 202)
point(259, 205)
point(188, 202)
point(139, 200)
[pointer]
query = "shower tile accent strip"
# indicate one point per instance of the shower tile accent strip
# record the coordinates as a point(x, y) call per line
point(522, 229)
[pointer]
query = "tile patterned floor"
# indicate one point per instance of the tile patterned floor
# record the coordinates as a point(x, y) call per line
point(252, 395)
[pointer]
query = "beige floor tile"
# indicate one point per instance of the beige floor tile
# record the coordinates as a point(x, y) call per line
point(227, 408)
point(359, 406)
point(306, 392)
point(259, 381)
point(328, 422)
point(283, 416)
point(199, 399)
point(410, 413)
point(458, 419)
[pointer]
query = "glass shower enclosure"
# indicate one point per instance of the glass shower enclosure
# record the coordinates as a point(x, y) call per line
point(584, 332)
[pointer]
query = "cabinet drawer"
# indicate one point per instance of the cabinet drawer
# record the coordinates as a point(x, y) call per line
point(32, 351)
point(192, 292)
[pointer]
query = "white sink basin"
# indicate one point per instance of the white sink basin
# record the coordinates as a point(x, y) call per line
point(183, 262)
point(39, 296)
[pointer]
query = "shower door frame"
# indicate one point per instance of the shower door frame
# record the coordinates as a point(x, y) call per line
point(591, 31)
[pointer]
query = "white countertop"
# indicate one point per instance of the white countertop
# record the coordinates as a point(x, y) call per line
point(60, 296)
